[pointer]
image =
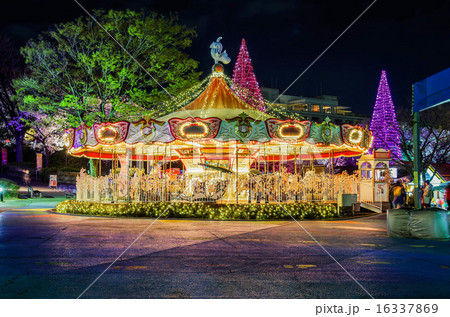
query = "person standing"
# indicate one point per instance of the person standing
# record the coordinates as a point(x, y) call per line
point(447, 196)
point(399, 195)
point(427, 194)
point(27, 178)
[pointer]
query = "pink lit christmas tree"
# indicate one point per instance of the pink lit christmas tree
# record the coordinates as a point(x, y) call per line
point(384, 124)
point(244, 80)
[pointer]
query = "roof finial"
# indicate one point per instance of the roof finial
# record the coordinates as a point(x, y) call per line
point(217, 54)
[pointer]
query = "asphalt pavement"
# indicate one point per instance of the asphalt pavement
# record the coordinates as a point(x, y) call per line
point(47, 255)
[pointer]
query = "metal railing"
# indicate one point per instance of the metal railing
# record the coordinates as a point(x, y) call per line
point(215, 187)
point(370, 195)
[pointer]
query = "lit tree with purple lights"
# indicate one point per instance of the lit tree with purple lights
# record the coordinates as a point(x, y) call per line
point(244, 79)
point(384, 124)
point(12, 127)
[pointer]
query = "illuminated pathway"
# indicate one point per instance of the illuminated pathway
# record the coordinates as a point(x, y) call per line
point(44, 255)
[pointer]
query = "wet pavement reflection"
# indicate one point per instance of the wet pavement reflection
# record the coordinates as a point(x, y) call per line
point(47, 255)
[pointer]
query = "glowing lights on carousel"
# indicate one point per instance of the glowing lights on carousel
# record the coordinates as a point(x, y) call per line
point(108, 134)
point(291, 131)
point(216, 131)
point(194, 130)
point(355, 136)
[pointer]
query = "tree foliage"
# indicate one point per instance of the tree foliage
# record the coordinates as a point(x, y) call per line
point(79, 74)
point(12, 128)
point(434, 137)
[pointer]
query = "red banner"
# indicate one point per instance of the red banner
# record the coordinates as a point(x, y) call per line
point(4, 156)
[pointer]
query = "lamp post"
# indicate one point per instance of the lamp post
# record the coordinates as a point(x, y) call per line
point(416, 149)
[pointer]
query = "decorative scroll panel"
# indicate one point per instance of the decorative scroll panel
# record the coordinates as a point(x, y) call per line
point(111, 133)
point(194, 128)
point(288, 130)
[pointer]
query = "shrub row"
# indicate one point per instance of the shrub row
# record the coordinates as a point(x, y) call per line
point(201, 210)
point(10, 188)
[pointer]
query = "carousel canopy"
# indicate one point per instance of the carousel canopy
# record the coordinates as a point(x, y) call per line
point(217, 100)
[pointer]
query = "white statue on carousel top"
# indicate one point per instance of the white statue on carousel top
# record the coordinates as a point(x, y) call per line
point(217, 54)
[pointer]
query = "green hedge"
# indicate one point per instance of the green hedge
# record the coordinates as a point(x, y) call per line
point(201, 210)
point(10, 188)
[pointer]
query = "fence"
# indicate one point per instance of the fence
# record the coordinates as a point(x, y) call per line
point(215, 187)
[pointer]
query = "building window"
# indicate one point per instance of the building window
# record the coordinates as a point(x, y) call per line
point(327, 109)
point(301, 107)
point(315, 108)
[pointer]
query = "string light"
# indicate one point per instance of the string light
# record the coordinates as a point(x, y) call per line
point(355, 136)
point(187, 125)
point(108, 134)
point(384, 125)
point(294, 126)
point(244, 80)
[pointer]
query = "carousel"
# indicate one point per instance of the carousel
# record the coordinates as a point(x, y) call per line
point(215, 149)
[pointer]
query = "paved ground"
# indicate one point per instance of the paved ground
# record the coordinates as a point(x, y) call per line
point(44, 255)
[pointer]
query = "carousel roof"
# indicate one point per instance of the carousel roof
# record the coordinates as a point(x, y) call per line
point(217, 100)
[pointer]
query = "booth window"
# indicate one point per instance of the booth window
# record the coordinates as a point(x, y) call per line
point(381, 170)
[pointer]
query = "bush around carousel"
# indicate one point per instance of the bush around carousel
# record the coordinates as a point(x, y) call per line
point(301, 210)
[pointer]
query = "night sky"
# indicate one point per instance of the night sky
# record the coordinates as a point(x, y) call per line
point(409, 39)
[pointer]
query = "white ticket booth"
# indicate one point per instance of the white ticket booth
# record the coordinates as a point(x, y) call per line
point(374, 187)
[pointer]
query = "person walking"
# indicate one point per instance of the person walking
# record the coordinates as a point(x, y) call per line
point(399, 195)
point(427, 194)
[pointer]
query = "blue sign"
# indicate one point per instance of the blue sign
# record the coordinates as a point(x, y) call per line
point(432, 91)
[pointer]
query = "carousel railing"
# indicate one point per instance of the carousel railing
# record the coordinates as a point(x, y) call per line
point(215, 187)
point(370, 197)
